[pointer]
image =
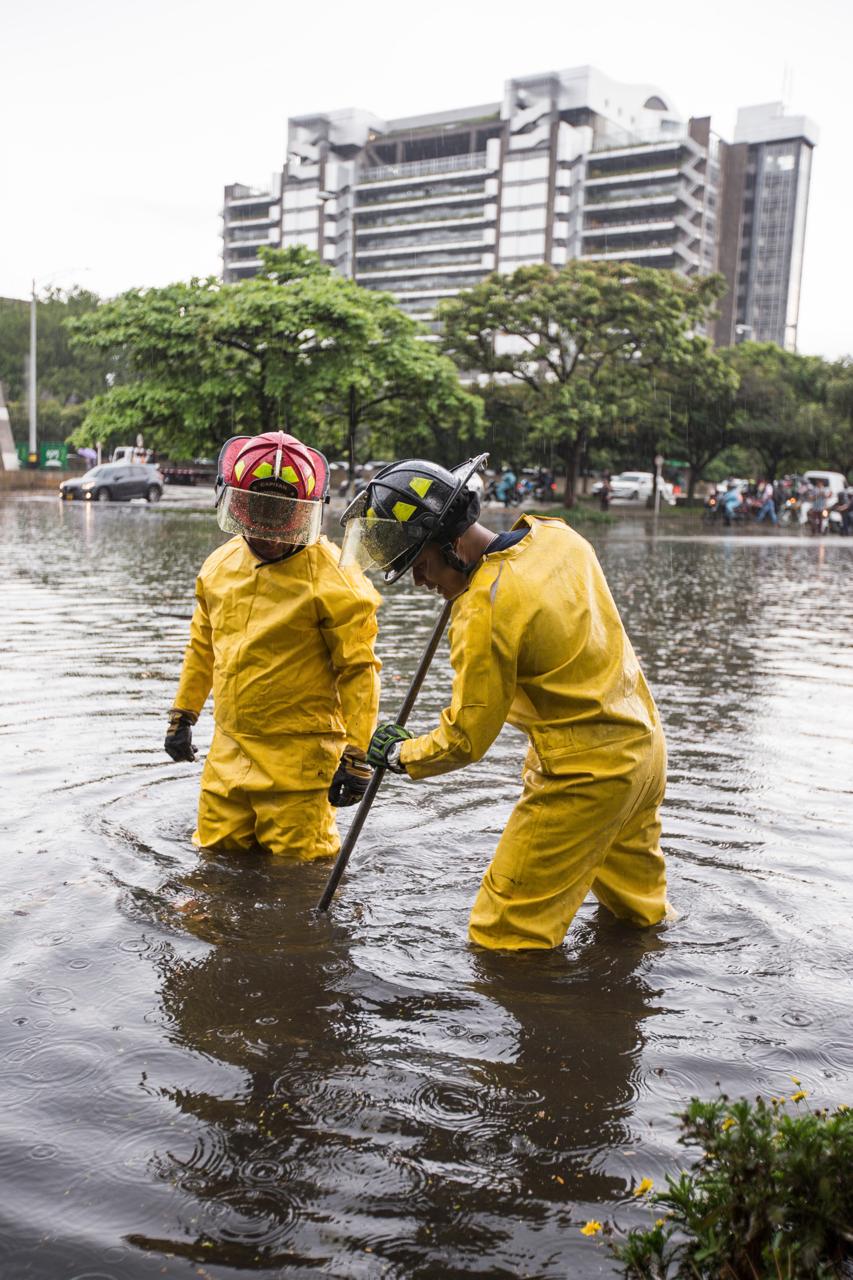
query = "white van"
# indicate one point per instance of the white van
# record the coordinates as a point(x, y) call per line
point(833, 481)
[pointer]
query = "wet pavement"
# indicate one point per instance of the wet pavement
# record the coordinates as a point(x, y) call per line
point(202, 1078)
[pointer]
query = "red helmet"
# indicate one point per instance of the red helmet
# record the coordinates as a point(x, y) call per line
point(271, 488)
point(246, 460)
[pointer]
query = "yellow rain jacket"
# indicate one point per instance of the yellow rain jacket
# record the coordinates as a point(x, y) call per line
point(537, 640)
point(288, 649)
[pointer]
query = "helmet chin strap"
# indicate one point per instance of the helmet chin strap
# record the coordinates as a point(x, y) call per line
point(453, 560)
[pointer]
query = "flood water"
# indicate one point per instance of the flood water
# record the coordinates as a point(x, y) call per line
point(200, 1077)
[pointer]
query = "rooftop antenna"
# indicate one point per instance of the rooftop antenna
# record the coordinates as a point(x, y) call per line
point(787, 86)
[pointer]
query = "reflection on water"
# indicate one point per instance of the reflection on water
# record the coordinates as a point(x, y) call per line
point(202, 1077)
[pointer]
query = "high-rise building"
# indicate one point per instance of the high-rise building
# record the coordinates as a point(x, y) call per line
point(765, 197)
point(569, 164)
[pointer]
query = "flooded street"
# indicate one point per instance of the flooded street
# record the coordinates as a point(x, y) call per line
point(201, 1077)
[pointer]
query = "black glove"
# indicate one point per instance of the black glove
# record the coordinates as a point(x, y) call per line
point(351, 778)
point(179, 737)
point(384, 749)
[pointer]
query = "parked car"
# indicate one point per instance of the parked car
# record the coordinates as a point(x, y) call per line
point(115, 482)
point(635, 486)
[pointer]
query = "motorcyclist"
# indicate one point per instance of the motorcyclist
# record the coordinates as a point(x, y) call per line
point(285, 638)
point(730, 501)
point(535, 640)
point(844, 507)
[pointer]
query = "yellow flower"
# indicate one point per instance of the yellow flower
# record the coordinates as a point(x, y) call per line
point(794, 1080)
point(660, 1222)
point(727, 1123)
point(799, 1095)
point(591, 1228)
point(643, 1187)
point(842, 1106)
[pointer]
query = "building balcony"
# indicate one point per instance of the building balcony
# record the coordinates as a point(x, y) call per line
point(452, 263)
point(650, 252)
point(604, 203)
point(640, 144)
point(231, 262)
point(429, 192)
point(655, 173)
point(473, 162)
point(243, 237)
point(479, 237)
point(463, 228)
point(411, 289)
point(628, 227)
point(234, 219)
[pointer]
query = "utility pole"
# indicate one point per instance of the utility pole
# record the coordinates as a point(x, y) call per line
point(33, 454)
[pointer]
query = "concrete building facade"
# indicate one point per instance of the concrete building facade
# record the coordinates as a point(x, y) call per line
point(569, 164)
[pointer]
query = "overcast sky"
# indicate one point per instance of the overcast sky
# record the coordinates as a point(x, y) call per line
point(122, 122)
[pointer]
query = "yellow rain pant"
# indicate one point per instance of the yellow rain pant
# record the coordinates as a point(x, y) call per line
point(565, 837)
point(242, 804)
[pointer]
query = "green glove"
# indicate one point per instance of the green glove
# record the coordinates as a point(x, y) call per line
point(384, 749)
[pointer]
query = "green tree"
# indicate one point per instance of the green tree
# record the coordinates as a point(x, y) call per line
point(839, 440)
point(779, 404)
point(200, 360)
point(697, 394)
point(580, 338)
point(63, 375)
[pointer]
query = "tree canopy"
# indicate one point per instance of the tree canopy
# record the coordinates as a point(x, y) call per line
point(297, 347)
point(780, 400)
point(581, 339)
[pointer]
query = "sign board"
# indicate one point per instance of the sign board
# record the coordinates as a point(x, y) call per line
point(53, 455)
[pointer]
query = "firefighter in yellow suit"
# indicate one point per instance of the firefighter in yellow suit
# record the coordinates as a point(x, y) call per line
point(535, 640)
point(285, 637)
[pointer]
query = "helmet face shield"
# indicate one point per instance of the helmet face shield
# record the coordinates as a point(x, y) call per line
point(373, 543)
point(269, 517)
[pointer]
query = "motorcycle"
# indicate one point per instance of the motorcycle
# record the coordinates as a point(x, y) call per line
point(790, 513)
point(713, 509)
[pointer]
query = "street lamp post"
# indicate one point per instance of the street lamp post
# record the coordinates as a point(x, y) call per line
point(32, 452)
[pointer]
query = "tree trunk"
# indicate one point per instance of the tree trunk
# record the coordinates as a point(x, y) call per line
point(572, 453)
point(693, 476)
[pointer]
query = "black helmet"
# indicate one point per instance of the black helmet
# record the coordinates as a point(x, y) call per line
point(405, 506)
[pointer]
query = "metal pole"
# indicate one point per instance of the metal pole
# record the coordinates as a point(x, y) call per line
point(33, 450)
point(378, 774)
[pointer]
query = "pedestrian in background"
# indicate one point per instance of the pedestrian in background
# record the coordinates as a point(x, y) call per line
point(768, 503)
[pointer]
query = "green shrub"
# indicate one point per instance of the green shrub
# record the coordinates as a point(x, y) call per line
point(771, 1197)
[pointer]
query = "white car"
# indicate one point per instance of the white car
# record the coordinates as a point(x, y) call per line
point(635, 486)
